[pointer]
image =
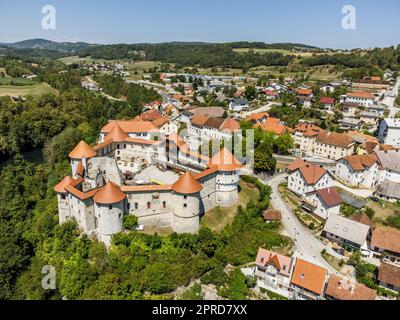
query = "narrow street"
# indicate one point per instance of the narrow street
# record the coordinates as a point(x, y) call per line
point(389, 101)
point(307, 245)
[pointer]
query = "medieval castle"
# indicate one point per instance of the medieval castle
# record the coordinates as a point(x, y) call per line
point(105, 182)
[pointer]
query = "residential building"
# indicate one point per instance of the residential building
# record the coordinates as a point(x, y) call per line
point(369, 118)
point(273, 270)
point(389, 276)
point(327, 88)
point(332, 145)
point(339, 288)
point(304, 138)
point(308, 280)
point(388, 191)
point(358, 170)
point(385, 243)
point(304, 97)
point(351, 123)
point(305, 177)
point(327, 102)
point(389, 165)
point(348, 233)
point(361, 98)
point(323, 202)
point(389, 132)
point(379, 109)
point(350, 109)
point(240, 104)
point(273, 125)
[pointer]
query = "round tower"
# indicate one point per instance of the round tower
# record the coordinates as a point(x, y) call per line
point(109, 206)
point(64, 212)
point(227, 179)
point(186, 204)
point(79, 156)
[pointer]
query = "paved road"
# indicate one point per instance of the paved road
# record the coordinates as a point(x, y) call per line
point(389, 101)
point(307, 245)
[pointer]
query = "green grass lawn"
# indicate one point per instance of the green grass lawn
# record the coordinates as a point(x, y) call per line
point(26, 90)
point(17, 81)
point(217, 218)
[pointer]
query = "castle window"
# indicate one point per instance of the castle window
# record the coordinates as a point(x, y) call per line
point(164, 204)
point(185, 197)
point(63, 196)
point(136, 205)
point(110, 207)
point(185, 205)
point(148, 205)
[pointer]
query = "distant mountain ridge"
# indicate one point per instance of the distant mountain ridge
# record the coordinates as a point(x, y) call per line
point(67, 47)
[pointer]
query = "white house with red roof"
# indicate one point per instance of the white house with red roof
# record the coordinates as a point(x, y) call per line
point(323, 202)
point(305, 177)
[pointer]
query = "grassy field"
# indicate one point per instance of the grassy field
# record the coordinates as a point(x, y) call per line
point(383, 209)
point(74, 59)
point(17, 81)
point(218, 218)
point(34, 90)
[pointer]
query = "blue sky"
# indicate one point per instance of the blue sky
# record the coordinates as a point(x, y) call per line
point(314, 22)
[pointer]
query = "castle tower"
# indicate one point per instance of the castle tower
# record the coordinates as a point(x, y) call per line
point(186, 204)
point(64, 212)
point(79, 157)
point(227, 180)
point(109, 207)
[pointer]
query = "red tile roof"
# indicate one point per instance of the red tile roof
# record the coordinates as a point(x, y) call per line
point(330, 196)
point(82, 150)
point(309, 276)
point(346, 289)
point(187, 184)
point(327, 100)
point(311, 173)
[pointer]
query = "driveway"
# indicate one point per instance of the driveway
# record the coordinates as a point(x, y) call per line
point(307, 245)
point(362, 193)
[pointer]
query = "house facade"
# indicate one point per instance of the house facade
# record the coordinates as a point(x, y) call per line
point(389, 132)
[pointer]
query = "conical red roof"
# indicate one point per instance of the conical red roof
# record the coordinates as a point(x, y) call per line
point(60, 187)
point(82, 150)
point(225, 161)
point(187, 184)
point(117, 134)
point(109, 194)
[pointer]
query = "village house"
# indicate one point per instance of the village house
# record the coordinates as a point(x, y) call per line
point(273, 125)
point(361, 98)
point(238, 105)
point(308, 281)
point(358, 170)
point(327, 88)
point(350, 109)
point(273, 270)
point(257, 118)
point(304, 97)
point(389, 132)
point(379, 109)
point(304, 138)
point(272, 215)
point(271, 94)
point(208, 128)
point(332, 145)
point(322, 202)
point(385, 244)
point(388, 191)
point(351, 123)
point(389, 165)
point(328, 103)
point(349, 234)
point(369, 118)
point(339, 288)
point(305, 177)
point(389, 276)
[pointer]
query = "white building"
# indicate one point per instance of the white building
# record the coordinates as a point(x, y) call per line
point(389, 165)
point(361, 98)
point(305, 177)
point(238, 105)
point(389, 132)
point(358, 170)
point(323, 202)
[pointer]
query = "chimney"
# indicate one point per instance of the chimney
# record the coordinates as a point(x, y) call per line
point(340, 284)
